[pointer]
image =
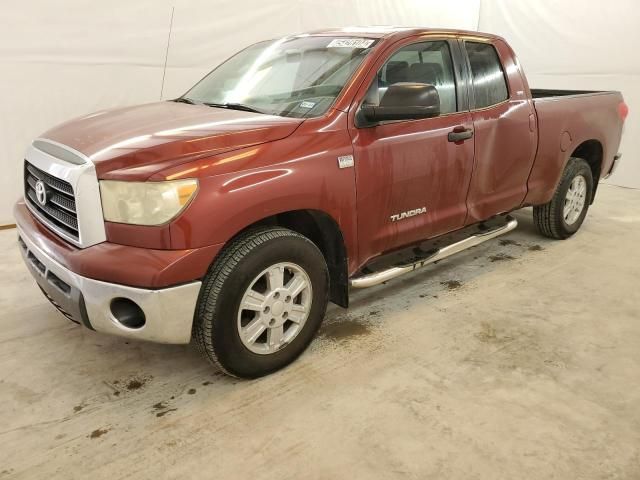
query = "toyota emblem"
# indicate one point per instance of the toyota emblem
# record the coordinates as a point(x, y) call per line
point(41, 193)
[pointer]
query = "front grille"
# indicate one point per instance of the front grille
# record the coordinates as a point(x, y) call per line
point(59, 210)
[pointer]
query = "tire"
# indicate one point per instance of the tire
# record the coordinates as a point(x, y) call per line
point(551, 219)
point(246, 270)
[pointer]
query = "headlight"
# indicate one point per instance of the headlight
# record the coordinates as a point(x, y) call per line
point(145, 203)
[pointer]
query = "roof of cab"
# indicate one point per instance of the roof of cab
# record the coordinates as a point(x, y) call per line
point(382, 31)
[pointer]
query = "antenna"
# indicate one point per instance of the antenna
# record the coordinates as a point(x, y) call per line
point(166, 53)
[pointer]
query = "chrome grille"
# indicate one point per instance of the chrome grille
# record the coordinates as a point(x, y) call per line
point(59, 211)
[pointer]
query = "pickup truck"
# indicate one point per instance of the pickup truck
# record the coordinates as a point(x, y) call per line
point(298, 169)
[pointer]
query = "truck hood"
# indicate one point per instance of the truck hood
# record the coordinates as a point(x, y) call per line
point(139, 141)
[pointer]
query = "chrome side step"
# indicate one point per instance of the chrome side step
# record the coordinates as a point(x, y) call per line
point(393, 272)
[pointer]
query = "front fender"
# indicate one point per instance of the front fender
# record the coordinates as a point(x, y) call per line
point(306, 177)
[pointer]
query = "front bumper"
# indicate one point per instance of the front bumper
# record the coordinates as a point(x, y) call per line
point(168, 312)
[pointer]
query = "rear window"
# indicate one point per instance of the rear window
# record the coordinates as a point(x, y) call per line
point(489, 84)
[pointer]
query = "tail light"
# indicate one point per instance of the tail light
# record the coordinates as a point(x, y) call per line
point(623, 110)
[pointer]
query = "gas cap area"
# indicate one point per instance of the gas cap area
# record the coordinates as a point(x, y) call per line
point(565, 141)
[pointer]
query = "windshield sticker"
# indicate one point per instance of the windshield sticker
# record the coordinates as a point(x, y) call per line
point(307, 104)
point(350, 43)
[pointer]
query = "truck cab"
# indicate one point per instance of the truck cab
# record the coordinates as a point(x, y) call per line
point(465, 164)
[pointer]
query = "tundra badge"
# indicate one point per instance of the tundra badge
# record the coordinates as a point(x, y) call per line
point(409, 213)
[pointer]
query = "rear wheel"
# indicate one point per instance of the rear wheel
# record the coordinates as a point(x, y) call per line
point(261, 302)
point(564, 214)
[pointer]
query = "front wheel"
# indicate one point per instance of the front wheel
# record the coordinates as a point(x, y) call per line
point(564, 214)
point(261, 302)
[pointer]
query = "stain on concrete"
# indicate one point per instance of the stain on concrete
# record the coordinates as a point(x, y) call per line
point(488, 334)
point(452, 284)
point(162, 414)
point(164, 408)
point(535, 248)
point(135, 384)
point(126, 385)
point(522, 350)
point(98, 432)
point(506, 241)
point(500, 257)
point(344, 329)
point(553, 363)
point(191, 391)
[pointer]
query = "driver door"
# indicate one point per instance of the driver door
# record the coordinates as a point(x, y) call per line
point(411, 178)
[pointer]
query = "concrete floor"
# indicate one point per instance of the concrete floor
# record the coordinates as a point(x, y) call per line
point(517, 359)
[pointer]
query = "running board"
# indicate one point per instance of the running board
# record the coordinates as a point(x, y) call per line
point(393, 272)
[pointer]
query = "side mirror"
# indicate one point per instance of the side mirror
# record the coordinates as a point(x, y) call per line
point(405, 101)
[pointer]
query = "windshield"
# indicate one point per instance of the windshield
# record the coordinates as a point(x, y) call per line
point(294, 76)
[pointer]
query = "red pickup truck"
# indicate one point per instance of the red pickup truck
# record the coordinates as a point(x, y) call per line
point(295, 170)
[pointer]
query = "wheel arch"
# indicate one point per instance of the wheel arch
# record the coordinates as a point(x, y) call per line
point(591, 151)
point(323, 230)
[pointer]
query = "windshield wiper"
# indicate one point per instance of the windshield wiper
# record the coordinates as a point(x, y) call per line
point(234, 106)
point(185, 100)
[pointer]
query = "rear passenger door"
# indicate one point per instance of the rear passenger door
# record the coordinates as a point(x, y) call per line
point(411, 178)
point(504, 129)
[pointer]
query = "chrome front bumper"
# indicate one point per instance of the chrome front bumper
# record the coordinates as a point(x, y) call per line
point(168, 312)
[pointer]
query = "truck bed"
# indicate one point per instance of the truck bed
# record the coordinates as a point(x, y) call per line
point(568, 120)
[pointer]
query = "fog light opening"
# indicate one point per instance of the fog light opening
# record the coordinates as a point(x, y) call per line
point(127, 312)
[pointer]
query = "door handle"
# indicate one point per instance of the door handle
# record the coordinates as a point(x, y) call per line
point(460, 134)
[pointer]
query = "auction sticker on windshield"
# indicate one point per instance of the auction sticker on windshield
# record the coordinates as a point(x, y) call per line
point(350, 43)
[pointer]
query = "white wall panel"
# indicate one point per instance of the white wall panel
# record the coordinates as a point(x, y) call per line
point(578, 44)
point(59, 60)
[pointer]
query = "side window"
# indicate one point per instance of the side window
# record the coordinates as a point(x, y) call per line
point(427, 62)
point(489, 84)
